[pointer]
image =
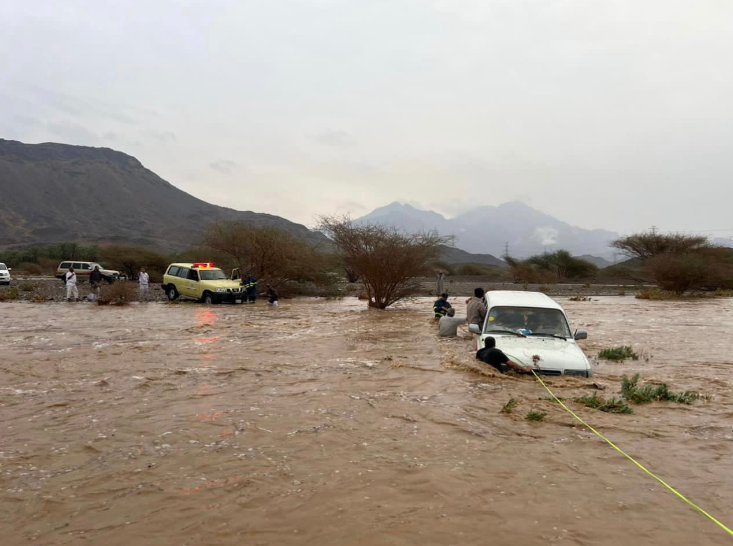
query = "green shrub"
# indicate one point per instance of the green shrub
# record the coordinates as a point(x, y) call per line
point(9, 294)
point(631, 390)
point(28, 287)
point(612, 405)
point(618, 353)
point(723, 293)
point(655, 294)
point(509, 406)
point(119, 293)
point(536, 415)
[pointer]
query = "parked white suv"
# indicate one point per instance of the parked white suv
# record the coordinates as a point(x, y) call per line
point(4, 274)
point(532, 329)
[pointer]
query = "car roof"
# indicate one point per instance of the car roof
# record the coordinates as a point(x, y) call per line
point(190, 266)
point(517, 298)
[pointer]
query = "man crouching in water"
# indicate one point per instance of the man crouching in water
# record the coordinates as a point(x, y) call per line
point(496, 357)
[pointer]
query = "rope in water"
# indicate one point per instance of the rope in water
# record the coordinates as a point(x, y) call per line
point(629, 457)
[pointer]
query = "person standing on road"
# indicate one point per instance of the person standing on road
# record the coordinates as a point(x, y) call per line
point(250, 287)
point(71, 289)
point(95, 281)
point(441, 283)
point(144, 280)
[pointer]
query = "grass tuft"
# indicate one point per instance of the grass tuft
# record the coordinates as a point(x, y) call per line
point(509, 406)
point(631, 390)
point(611, 405)
point(536, 415)
point(618, 353)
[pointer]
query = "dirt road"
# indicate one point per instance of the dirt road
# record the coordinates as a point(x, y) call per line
point(325, 423)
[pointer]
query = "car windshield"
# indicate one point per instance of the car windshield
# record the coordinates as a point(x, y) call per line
point(212, 275)
point(3, 267)
point(528, 321)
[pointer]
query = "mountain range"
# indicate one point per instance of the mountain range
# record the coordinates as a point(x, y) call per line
point(56, 192)
point(491, 229)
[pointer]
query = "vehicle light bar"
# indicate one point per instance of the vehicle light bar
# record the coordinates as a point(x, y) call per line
point(203, 264)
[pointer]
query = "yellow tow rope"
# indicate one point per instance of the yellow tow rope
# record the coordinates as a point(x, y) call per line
point(629, 457)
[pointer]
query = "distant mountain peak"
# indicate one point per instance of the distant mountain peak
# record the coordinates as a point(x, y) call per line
point(487, 229)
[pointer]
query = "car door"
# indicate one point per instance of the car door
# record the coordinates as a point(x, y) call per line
point(189, 282)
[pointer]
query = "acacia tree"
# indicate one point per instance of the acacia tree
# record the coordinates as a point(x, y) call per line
point(680, 262)
point(387, 260)
point(648, 245)
point(268, 252)
point(560, 264)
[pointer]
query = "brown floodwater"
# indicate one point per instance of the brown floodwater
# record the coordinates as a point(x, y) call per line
point(322, 422)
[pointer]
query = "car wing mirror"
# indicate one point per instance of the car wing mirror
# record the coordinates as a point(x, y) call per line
point(474, 329)
point(580, 334)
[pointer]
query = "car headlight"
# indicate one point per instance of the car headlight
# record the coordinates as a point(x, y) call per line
point(221, 289)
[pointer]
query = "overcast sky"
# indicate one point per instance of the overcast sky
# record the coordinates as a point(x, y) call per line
point(606, 114)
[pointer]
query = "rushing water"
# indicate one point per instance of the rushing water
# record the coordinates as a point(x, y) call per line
point(321, 422)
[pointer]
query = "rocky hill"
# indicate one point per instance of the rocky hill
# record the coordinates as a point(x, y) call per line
point(56, 192)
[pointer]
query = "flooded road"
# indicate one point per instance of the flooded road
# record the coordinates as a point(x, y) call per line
point(321, 422)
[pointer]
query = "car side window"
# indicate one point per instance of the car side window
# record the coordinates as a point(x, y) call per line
point(183, 273)
point(77, 265)
point(173, 270)
point(65, 265)
point(193, 275)
point(85, 266)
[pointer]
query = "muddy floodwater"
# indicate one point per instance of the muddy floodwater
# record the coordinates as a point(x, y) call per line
point(324, 423)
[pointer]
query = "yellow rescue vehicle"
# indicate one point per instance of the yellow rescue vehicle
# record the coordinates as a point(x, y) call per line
point(201, 281)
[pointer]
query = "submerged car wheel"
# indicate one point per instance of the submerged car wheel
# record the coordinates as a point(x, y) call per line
point(208, 299)
point(172, 293)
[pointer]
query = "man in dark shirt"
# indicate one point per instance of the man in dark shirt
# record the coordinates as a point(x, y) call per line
point(95, 281)
point(496, 357)
point(441, 306)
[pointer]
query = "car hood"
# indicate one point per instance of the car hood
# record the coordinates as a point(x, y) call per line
point(555, 354)
point(224, 283)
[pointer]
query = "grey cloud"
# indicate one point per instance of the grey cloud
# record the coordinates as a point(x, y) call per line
point(224, 166)
point(166, 137)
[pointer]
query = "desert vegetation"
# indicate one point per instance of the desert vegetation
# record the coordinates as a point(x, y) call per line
point(618, 353)
point(550, 267)
point(387, 260)
point(272, 253)
point(679, 263)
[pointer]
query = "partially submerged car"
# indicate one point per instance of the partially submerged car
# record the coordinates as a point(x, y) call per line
point(201, 281)
point(532, 329)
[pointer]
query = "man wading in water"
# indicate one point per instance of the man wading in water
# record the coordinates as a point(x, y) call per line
point(495, 357)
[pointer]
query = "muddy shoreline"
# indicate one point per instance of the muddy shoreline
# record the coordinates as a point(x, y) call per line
point(45, 289)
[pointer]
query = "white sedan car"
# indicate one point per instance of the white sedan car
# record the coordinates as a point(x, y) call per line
point(4, 274)
point(532, 329)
